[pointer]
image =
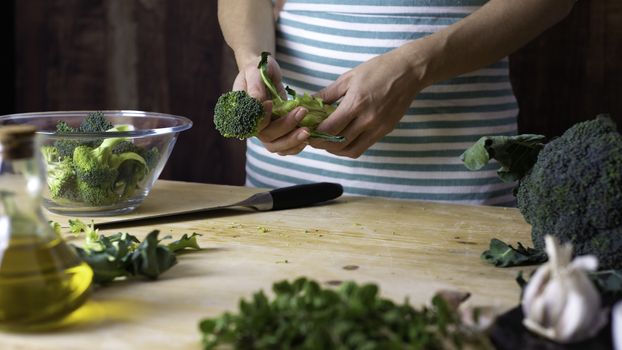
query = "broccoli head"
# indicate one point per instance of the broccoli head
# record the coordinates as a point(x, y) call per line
point(570, 188)
point(238, 114)
point(574, 191)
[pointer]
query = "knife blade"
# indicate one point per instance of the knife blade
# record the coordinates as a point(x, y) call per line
point(278, 199)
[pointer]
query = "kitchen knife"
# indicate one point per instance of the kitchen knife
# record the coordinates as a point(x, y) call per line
point(277, 199)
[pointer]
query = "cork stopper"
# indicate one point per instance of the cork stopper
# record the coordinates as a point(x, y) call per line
point(16, 141)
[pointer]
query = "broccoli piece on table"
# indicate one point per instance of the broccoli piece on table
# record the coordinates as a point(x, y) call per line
point(237, 114)
point(97, 171)
point(573, 190)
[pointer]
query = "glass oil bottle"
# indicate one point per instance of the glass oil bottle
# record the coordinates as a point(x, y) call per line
point(41, 277)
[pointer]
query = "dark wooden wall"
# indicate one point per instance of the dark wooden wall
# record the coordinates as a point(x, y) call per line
point(169, 56)
point(572, 71)
point(153, 55)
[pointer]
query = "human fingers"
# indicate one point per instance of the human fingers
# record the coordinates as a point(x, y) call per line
point(338, 120)
point(294, 150)
point(350, 133)
point(333, 92)
point(359, 145)
point(254, 85)
point(279, 127)
point(267, 114)
point(291, 143)
point(239, 84)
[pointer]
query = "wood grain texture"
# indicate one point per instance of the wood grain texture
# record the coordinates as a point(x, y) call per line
point(411, 249)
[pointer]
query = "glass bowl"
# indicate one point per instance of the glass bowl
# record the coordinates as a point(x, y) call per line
point(112, 172)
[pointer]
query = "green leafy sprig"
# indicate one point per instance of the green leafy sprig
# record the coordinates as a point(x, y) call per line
point(303, 315)
point(124, 255)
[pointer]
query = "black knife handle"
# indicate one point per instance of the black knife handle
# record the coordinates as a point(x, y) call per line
point(302, 195)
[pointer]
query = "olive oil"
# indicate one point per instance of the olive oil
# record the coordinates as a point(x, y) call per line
point(42, 278)
point(40, 281)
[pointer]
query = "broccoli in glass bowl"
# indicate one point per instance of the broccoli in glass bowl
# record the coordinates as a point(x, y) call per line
point(101, 163)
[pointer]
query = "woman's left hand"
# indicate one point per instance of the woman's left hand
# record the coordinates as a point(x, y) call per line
point(374, 97)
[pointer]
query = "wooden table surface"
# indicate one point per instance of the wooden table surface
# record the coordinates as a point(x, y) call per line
point(411, 249)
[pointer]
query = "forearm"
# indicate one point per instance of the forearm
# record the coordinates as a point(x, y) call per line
point(494, 31)
point(248, 28)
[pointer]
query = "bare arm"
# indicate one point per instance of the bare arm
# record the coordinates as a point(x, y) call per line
point(494, 31)
point(376, 94)
point(248, 28)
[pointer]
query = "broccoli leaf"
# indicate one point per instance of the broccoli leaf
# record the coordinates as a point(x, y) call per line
point(124, 255)
point(516, 154)
point(502, 254)
point(609, 284)
point(150, 259)
point(109, 260)
point(185, 242)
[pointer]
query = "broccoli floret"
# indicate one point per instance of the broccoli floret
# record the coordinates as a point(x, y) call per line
point(62, 181)
point(100, 172)
point(97, 171)
point(573, 191)
point(95, 122)
point(125, 146)
point(50, 154)
point(61, 178)
point(65, 147)
point(152, 157)
point(237, 114)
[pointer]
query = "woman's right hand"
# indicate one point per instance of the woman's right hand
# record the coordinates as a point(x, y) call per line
point(281, 135)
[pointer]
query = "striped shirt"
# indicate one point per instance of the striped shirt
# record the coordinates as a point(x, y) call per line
point(318, 40)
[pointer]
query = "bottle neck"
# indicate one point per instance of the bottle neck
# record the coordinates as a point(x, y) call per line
point(21, 184)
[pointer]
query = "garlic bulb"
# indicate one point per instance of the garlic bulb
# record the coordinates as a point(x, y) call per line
point(616, 326)
point(560, 302)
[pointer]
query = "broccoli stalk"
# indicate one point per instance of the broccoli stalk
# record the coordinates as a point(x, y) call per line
point(237, 114)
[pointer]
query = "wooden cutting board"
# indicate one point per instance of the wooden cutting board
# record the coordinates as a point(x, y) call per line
point(172, 197)
point(410, 249)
